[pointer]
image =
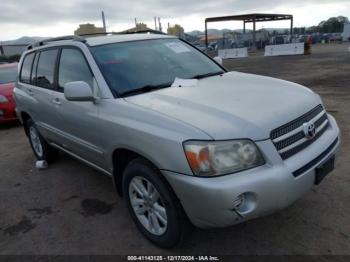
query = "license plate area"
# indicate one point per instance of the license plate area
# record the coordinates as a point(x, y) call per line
point(323, 170)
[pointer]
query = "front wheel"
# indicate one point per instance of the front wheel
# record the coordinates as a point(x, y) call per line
point(153, 205)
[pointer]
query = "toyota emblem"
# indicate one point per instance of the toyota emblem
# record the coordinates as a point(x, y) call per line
point(309, 130)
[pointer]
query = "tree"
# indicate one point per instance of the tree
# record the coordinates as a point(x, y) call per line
point(176, 30)
point(274, 32)
point(313, 29)
point(10, 59)
point(299, 30)
point(333, 25)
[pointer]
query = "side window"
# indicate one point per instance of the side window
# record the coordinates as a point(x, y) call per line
point(35, 64)
point(73, 67)
point(26, 68)
point(46, 69)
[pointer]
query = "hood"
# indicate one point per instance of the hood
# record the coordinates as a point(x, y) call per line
point(234, 105)
point(7, 89)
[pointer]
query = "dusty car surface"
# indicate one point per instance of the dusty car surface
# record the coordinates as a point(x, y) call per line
point(185, 141)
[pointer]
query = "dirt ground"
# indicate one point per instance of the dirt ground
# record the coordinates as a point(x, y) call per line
point(72, 209)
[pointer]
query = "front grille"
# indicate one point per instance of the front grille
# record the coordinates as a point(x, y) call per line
point(316, 160)
point(290, 138)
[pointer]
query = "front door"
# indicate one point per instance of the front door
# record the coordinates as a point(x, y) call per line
point(78, 121)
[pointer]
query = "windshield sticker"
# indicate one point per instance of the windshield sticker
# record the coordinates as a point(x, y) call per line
point(178, 47)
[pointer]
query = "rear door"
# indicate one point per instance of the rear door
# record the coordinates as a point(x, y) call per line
point(36, 84)
point(23, 93)
point(42, 89)
point(78, 121)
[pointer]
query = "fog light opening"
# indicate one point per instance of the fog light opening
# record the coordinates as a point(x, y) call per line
point(245, 203)
point(238, 202)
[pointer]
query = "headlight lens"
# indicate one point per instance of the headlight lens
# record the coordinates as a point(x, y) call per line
point(219, 158)
point(3, 99)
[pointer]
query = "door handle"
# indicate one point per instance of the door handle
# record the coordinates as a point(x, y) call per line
point(30, 92)
point(56, 101)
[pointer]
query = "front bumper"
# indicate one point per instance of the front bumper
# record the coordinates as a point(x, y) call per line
point(7, 112)
point(210, 202)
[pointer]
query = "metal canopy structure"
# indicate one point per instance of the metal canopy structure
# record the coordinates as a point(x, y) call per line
point(249, 18)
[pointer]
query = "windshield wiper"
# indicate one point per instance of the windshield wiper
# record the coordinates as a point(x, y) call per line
point(207, 75)
point(144, 89)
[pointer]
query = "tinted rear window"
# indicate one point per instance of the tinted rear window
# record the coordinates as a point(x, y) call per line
point(8, 75)
point(26, 68)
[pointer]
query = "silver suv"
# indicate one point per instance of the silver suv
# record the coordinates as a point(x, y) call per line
point(185, 141)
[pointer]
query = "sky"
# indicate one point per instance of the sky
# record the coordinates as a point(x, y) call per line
point(61, 17)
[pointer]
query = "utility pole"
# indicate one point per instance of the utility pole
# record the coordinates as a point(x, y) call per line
point(160, 24)
point(155, 23)
point(135, 22)
point(104, 21)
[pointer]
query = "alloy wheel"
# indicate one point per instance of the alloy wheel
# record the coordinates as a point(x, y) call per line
point(35, 140)
point(148, 205)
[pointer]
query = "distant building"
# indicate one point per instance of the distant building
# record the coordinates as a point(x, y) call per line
point(18, 46)
point(86, 29)
point(12, 49)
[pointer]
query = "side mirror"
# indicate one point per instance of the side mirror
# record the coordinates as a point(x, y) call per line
point(218, 60)
point(78, 91)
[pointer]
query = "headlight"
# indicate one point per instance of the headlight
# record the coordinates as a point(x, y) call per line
point(208, 158)
point(3, 99)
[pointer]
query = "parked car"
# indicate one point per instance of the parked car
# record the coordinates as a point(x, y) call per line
point(184, 140)
point(200, 47)
point(336, 37)
point(213, 46)
point(8, 75)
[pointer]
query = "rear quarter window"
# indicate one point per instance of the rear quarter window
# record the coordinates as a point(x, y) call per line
point(26, 68)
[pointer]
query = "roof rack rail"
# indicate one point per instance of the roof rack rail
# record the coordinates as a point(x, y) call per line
point(54, 39)
point(125, 33)
point(99, 33)
point(145, 31)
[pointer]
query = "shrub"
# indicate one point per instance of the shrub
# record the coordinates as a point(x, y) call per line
point(10, 59)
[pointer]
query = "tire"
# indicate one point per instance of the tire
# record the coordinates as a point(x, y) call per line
point(41, 149)
point(177, 225)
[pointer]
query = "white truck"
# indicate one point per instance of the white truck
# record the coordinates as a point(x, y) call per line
point(346, 32)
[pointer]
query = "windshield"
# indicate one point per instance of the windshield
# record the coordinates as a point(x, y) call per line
point(8, 75)
point(133, 65)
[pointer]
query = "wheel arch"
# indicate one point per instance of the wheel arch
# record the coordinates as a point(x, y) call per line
point(121, 157)
point(25, 117)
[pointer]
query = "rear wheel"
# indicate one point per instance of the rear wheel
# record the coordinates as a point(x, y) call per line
point(153, 205)
point(41, 149)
